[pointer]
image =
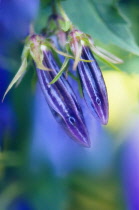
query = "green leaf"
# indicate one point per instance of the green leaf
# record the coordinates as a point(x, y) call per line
point(107, 55)
point(18, 75)
point(103, 21)
point(77, 79)
point(25, 52)
point(65, 54)
point(60, 71)
point(108, 63)
point(58, 51)
point(72, 76)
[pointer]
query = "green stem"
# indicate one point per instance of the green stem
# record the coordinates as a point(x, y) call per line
point(54, 8)
point(62, 12)
point(64, 15)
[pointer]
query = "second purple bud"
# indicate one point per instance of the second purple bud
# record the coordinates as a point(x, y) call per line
point(93, 84)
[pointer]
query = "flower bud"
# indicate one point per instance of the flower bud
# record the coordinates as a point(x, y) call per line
point(93, 84)
point(62, 100)
point(94, 88)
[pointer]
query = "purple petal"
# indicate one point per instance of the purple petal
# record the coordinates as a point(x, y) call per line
point(94, 88)
point(62, 101)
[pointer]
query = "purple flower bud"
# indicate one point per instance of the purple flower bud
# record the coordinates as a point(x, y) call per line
point(62, 101)
point(94, 88)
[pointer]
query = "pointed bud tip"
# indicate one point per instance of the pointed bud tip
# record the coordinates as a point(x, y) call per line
point(104, 120)
point(86, 143)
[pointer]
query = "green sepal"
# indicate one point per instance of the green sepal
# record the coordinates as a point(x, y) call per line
point(48, 44)
point(25, 52)
point(60, 71)
point(77, 79)
point(37, 54)
point(109, 63)
point(18, 75)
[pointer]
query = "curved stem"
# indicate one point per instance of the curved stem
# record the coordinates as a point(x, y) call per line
point(54, 9)
point(64, 15)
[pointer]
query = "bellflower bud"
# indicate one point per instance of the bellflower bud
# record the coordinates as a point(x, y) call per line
point(94, 89)
point(62, 101)
point(59, 94)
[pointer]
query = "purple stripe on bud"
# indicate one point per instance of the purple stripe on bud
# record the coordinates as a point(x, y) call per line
point(94, 88)
point(62, 101)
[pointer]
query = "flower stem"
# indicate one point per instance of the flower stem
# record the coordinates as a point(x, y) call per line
point(64, 15)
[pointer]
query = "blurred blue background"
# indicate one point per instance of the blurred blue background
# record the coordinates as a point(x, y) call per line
point(41, 168)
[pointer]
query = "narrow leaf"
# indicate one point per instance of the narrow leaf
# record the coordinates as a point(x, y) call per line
point(17, 76)
point(42, 67)
point(25, 52)
point(87, 61)
point(20, 79)
point(58, 51)
point(72, 76)
point(66, 54)
point(60, 71)
point(108, 63)
point(108, 56)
